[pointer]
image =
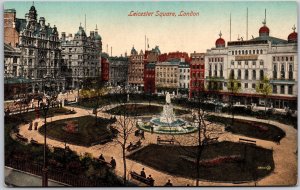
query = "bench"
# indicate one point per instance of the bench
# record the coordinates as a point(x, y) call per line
point(135, 146)
point(142, 179)
point(20, 137)
point(105, 163)
point(165, 141)
point(211, 140)
point(34, 142)
point(247, 141)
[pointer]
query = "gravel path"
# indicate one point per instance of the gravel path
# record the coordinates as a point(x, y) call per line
point(285, 156)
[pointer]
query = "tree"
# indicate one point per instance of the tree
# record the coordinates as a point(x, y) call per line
point(95, 90)
point(125, 123)
point(233, 87)
point(204, 134)
point(263, 87)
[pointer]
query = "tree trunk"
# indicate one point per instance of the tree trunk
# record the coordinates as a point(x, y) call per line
point(124, 162)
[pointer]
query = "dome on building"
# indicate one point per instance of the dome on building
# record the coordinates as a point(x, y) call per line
point(264, 30)
point(292, 38)
point(220, 42)
point(133, 51)
point(32, 8)
point(156, 49)
point(81, 31)
point(97, 36)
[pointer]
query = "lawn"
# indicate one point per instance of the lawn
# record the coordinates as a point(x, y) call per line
point(140, 110)
point(175, 160)
point(88, 132)
point(251, 128)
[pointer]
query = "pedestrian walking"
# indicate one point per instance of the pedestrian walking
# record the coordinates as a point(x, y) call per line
point(113, 163)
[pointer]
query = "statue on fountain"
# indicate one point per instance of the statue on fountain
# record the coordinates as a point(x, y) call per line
point(168, 98)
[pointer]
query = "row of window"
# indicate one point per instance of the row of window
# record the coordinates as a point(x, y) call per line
point(261, 62)
point(246, 52)
point(165, 75)
point(167, 80)
point(184, 85)
point(283, 58)
point(215, 59)
point(184, 70)
point(246, 74)
point(197, 66)
point(184, 77)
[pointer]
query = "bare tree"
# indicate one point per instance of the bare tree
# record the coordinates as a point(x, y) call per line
point(125, 121)
point(204, 134)
point(233, 87)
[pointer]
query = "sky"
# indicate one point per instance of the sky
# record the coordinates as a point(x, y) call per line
point(185, 34)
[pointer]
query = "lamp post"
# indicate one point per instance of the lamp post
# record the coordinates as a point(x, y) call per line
point(45, 107)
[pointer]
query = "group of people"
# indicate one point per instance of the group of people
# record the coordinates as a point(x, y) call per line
point(35, 126)
point(113, 162)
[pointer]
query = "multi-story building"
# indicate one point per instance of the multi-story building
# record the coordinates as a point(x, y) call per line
point(104, 67)
point(173, 56)
point(81, 56)
point(12, 27)
point(149, 78)
point(167, 77)
point(184, 78)
point(151, 58)
point(40, 58)
point(136, 70)
point(250, 61)
point(11, 61)
point(196, 74)
point(118, 68)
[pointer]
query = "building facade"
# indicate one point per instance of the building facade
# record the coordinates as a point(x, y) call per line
point(184, 79)
point(197, 73)
point(167, 77)
point(149, 78)
point(136, 70)
point(118, 68)
point(12, 57)
point(151, 58)
point(248, 62)
point(104, 67)
point(81, 55)
point(38, 43)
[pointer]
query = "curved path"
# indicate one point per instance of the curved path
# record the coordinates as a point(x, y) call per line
point(285, 156)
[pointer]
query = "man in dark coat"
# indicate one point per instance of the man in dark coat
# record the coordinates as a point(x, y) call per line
point(143, 174)
point(113, 163)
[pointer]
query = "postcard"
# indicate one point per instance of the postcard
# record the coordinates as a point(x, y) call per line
point(154, 93)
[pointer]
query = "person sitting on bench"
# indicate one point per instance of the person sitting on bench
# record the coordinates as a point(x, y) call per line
point(101, 157)
point(169, 184)
point(143, 174)
point(129, 146)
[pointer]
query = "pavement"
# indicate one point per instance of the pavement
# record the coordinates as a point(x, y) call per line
point(284, 155)
point(17, 178)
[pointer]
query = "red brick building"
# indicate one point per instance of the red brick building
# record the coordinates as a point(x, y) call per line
point(150, 60)
point(104, 67)
point(197, 70)
point(149, 78)
point(174, 55)
point(11, 23)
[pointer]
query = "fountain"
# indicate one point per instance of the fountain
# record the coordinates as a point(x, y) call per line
point(167, 122)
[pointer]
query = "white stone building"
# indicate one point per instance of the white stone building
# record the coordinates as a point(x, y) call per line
point(249, 61)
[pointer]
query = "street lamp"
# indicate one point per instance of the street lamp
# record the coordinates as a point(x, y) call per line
point(45, 107)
